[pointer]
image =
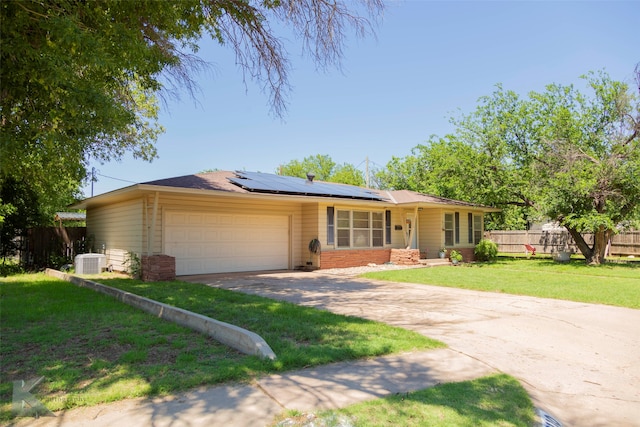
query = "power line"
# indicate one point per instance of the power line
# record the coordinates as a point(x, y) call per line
point(117, 179)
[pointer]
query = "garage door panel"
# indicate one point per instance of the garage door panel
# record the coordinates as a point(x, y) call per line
point(193, 251)
point(211, 251)
point(175, 250)
point(177, 235)
point(226, 235)
point(177, 219)
point(194, 236)
point(195, 219)
point(225, 219)
point(211, 219)
point(209, 235)
point(205, 242)
point(273, 234)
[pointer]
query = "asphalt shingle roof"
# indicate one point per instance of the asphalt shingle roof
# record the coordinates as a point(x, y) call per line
point(220, 181)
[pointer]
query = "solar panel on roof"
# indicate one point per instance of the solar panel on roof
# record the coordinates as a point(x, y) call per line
point(269, 183)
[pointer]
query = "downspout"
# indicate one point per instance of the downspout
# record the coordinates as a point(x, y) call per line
point(152, 233)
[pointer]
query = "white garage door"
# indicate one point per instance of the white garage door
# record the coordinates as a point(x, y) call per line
point(205, 242)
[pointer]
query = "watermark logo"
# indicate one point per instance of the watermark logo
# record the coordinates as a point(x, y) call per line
point(24, 403)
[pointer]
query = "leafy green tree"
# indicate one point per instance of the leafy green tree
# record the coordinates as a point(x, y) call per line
point(20, 211)
point(324, 169)
point(448, 167)
point(567, 156)
point(556, 154)
point(347, 173)
point(320, 165)
point(80, 80)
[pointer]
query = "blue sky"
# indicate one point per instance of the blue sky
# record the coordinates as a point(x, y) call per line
point(429, 60)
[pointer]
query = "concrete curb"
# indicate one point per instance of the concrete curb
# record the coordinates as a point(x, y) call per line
point(238, 338)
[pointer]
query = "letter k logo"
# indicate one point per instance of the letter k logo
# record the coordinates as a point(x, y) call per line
point(24, 404)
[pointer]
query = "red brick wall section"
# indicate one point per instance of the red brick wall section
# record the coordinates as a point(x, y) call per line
point(467, 254)
point(405, 256)
point(158, 268)
point(353, 257)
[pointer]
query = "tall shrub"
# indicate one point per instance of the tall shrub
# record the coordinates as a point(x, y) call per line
point(486, 250)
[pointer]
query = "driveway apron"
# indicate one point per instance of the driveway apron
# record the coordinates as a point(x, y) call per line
point(579, 362)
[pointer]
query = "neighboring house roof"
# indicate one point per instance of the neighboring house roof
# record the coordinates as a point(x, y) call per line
point(553, 226)
point(258, 183)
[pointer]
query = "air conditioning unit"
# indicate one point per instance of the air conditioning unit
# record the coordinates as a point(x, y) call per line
point(90, 263)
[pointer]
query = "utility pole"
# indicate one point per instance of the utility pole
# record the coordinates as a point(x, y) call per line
point(367, 179)
point(93, 179)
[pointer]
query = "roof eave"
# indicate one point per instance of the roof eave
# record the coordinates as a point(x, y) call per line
point(137, 190)
point(140, 189)
point(414, 204)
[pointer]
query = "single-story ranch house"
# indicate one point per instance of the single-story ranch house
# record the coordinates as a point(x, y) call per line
point(248, 221)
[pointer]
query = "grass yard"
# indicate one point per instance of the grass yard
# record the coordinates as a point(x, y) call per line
point(611, 284)
point(90, 348)
point(497, 400)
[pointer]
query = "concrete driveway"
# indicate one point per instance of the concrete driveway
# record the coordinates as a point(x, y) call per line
point(580, 362)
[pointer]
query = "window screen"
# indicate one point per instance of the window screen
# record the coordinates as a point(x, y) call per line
point(477, 228)
point(331, 229)
point(387, 227)
point(448, 229)
point(344, 229)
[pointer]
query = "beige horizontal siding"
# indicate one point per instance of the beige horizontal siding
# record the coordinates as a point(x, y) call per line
point(431, 237)
point(119, 228)
point(310, 214)
point(431, 230)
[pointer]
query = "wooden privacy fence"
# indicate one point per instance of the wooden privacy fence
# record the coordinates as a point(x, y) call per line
point(46, 246)
point(552, 242)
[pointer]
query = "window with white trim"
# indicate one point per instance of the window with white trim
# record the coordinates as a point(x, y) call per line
point(448, 229)
point(344, 229)
point(360, 229)
point(477, 228)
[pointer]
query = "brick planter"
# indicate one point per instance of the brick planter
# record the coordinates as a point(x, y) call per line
point(158, 268)
point(405, 256)
point(468, 254)
point(353, 257)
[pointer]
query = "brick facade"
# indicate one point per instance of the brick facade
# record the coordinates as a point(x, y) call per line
point(467, 254)
point(353, 257)
point(158, 268)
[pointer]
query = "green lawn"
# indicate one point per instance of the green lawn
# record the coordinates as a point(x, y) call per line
point(90, 348)
point(496, 400)
point(612, 284)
